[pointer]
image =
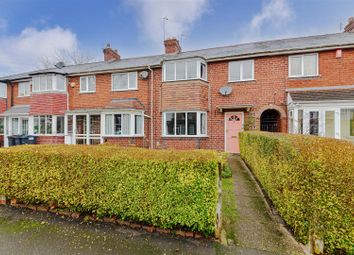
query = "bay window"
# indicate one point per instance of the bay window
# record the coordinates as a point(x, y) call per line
point(124, 81)
point(185, 124)
point(48, 83)
point(124, 124)
point(184, 70)
point(303, 65)
point(48, 125)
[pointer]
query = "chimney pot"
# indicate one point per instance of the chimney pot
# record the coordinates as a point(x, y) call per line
point(172, 46)
point(109, 54)
point(350, 26)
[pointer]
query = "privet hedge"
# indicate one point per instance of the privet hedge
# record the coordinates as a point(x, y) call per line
point(169, 189)
point(310, 180)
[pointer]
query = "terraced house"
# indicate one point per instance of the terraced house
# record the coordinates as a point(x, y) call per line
point(194, 99)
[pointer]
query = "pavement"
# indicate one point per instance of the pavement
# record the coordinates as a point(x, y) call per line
point(255, 227)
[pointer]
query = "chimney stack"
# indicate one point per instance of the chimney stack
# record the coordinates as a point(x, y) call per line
point(350, 26)
point(172, 46)
point(110, 54)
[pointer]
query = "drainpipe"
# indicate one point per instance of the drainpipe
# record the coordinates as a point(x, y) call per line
point(11, 94)
point(151, 108)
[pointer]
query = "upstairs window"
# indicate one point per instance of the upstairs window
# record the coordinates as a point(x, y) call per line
point(124, 81)
point(184, 70)
point(3, 90)
point(241, 70)
point(87, 84)
point(48, 83)
point(303, 65)
point(24, 89)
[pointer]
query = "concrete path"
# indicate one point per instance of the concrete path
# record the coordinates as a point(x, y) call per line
point(255, 228)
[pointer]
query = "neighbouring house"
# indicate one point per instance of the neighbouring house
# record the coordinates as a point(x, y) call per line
point(189, 100)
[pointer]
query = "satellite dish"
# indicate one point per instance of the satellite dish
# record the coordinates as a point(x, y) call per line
point(225, 90)
point(143, 75)
point(60, 65)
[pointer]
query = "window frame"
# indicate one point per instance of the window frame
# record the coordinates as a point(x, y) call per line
point(52, 77)
point(128, 85)
point(132, 126)
point(241, 62)
point(198, 124)
point(199, 63)
point(87, 91)
point(302, 65)
point(23, 86)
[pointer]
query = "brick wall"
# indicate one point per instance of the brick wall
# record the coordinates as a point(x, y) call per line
point(19, 100)
point(50, 140)
point(48, 103)
point(2, 105)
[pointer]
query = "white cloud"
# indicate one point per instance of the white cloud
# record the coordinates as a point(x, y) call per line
point(181, 14)
point(274, 15)
point(24, 51)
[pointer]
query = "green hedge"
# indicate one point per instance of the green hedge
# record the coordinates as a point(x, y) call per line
point(165, 188)
point(311, 182)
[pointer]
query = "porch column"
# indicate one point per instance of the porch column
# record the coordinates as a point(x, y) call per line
point(337, 123)
point(295, 121)
point(306, 122)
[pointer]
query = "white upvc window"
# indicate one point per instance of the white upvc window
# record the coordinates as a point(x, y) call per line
point(188, 123)
point(24, 89)
point(19, 126)
point(124, 124)
point(3, 90)
point(124, 81)
point(48, 83)
point(87, 84)
point(190, 69)
point(242, 70)
point(303, 65)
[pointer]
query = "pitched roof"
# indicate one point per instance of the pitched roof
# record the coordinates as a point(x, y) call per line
point(322, 95)
point(17, 110)
point(281, 46)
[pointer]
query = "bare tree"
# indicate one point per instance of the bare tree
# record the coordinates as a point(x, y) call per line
point(69, 57)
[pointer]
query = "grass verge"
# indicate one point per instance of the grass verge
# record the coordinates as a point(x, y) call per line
point(229, 213)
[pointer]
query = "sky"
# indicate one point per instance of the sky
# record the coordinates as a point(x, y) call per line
point(34, 30)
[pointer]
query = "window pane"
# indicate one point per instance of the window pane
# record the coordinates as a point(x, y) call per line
point(329, 124)
point(1, 125)
point(42, 125)
point(203, 71)
point(60, 82)
point(35, 83)
point(49, 124)
point(234, 71)
point(24, 126)
point(310, 64)
point(118, 124)
point(14, 126)
point(170, 123)
point(36, 124)
point(43, 83)
point(91, 84)
point(203, 124)
point(133, 80)
point(192, 70)
point(347, 124)
point(295, 66)
point(70, 124)
point(120, 82)
point(170, 71)
point(3, 89)
point(108, 124)
point(138, 124)
point(50, 82)
point(180, 70)
point(126, 124)
point(60, 124)
point(300, 121)
point(314, 123)
point(192, 123)
point(247, 73)
point(180, 123)
point(83, 84)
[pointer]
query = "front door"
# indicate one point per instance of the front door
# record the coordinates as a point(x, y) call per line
point(88, 129)
point(233, 125)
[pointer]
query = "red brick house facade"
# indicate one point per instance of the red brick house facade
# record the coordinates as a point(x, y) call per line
point(188, 100)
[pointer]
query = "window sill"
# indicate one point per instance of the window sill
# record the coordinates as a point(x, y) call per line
point(185, 80)
point(88, 92)
point(48, 92)
point(49, 135)
point(122, 90)
point(23, 96)
point(122, 136)
point(243, 81)
point(185, 136)
point(304, 77)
